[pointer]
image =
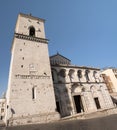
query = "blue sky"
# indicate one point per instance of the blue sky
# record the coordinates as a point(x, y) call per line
point(85, 31)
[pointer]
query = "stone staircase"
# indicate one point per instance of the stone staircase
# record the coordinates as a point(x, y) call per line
point(100, 113)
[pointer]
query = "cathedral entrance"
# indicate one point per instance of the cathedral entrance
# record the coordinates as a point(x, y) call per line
point(97, 103)
point(58, 106)
point(78, 104)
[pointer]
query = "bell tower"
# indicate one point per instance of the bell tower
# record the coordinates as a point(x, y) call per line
point(30, 94)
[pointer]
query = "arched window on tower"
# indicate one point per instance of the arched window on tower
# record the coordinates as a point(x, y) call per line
point(32, 31)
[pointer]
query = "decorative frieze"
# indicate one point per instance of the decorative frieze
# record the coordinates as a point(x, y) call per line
point(18, 76)
point(26, 37)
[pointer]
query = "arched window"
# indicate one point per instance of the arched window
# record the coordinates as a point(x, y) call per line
point(54, 75)
point(87, 75)
point(62, 73)
point(79, 73)
point(32, 31)
point(96, 76)
point(71, 74)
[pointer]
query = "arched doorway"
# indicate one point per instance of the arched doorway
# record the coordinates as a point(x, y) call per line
point(77, 98)
point(78, 103)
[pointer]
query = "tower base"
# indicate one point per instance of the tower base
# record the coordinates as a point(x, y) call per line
point(33, 119)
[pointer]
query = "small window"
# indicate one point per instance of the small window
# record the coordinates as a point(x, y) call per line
point(22, 58)
point(32, 31)
point(34, 93)
point(22, 66)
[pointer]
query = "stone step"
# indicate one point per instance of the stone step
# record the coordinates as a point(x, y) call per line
point(100, 113)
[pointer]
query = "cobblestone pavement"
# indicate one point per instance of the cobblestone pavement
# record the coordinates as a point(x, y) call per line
point(102, 123)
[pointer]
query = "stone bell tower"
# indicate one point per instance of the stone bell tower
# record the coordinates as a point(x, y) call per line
point(30, 94)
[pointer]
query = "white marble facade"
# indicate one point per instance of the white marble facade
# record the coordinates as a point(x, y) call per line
point(78, 89)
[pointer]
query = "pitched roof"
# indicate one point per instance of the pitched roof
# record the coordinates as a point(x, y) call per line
point(59, 59)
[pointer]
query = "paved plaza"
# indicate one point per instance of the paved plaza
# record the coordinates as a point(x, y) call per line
point(102, 123)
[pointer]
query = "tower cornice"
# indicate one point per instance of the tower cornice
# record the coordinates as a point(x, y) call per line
point(31, 17)
point(30, 38)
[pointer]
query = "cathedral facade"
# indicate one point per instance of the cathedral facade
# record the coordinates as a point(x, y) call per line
point(78, 89)
point(43, 89)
